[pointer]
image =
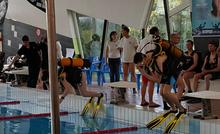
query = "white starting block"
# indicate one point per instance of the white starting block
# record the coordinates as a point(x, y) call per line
point(210, 103)
point(118, 92)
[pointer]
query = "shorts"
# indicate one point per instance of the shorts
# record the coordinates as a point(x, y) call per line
point(144, 79)
point(170, 69)
point(165, 79)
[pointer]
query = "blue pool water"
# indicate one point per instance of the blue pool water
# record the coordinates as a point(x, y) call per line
point(71, 124)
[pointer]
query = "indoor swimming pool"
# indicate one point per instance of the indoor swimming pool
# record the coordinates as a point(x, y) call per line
point(70, 124)
point(26, 111)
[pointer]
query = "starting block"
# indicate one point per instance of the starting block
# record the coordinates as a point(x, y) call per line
point(119, 90)
point(210, 104)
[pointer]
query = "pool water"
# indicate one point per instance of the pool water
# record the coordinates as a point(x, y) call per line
point(71, 124)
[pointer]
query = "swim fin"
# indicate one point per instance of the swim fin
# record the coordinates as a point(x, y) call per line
point(98, 106)
point(160, 119)
point(89, 104)
point(174, 121)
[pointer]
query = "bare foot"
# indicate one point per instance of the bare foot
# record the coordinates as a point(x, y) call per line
point(61, 99)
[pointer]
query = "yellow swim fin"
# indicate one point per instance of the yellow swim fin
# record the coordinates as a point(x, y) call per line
point(159, 120)
point(98, 106)
point(88, 106)
point(173, 122)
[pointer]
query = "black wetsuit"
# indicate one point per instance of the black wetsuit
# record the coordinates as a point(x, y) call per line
point(209, 66)
point(170, 67)
point(44, 64)
point(73, 76)
point(190, 62)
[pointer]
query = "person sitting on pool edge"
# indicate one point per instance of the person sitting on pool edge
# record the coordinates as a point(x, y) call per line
point(73, 77)
point(210, 68)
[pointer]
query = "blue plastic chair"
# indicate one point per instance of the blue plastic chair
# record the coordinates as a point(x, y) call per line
point(94, 62)
point(95, 69)
point(104, 70)
point(88, 76)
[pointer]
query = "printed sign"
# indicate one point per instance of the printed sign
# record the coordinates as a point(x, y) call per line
point(205, 17)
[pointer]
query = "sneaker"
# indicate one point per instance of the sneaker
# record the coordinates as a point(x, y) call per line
point(189, 91)
point(134, 91)
point(165, 106)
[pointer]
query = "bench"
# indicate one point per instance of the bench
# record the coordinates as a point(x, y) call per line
point(210, 104)
point(210, 99)
point(214, 85)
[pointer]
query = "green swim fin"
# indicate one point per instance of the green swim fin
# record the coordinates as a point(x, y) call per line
point(160, 119)
point(89, 104)
point(174, 121)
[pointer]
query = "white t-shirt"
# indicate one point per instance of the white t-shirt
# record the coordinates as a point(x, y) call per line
point(146, 44)
point(113, 52)
point(129, 49)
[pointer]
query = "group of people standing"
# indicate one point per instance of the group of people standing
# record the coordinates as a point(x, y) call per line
point(182, 66)
point(122, 50)
point(37, 60)
point(170, 61)
point(158, 60)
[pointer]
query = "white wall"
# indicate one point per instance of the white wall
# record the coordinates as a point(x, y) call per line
point(129, 12)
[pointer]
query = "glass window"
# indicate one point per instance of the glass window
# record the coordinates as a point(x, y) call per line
point(113, 27)
point(181, 23)
point(116, 27)
point(135, 33)
point(174, 3)
point(157, 18)
point(91, 30)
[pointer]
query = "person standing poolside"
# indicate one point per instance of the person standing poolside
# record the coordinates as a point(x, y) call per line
point(31, 51)
point(160, 66)
point(113, 57)
point(144, 44)
point(128, 45)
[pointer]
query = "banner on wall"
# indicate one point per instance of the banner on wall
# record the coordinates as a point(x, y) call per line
point(205, 17)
